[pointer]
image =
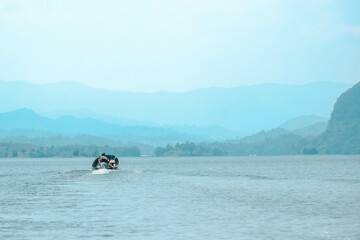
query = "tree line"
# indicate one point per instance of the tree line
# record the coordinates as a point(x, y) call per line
point(188, 149)
point(35, 151)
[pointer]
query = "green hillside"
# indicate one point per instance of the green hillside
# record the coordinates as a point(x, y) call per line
point(343, 133)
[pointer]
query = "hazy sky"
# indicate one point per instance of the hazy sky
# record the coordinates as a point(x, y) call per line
point(179, 45)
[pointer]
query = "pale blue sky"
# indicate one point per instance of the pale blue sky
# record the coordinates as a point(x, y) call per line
point(179, 45)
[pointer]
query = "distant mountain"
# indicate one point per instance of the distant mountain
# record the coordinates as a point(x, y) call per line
point(305, 126)
point(342, 135)
point(263, 135)
point(312, 130)
point(302, 122)
point(245, 109)
point(16, 125)
point(214, 133)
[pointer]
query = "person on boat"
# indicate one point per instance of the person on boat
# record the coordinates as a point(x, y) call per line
point(102, 158)
point(111, 162)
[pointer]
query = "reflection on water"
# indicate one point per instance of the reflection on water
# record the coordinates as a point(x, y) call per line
point(313, 197)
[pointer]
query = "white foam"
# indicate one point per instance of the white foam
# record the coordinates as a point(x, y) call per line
point(132, 171)
point(101, 171)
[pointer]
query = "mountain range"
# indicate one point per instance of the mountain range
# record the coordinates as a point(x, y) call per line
point(70, 135)
point(26, 126)
point(246, 109)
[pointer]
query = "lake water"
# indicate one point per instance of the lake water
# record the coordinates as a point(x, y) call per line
point(288, 197)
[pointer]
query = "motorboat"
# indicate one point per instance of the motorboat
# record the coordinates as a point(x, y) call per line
point(106, 162)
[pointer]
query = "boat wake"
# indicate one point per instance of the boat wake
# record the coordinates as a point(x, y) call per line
point(132, 171)
point(101, 171)
point(107, 171)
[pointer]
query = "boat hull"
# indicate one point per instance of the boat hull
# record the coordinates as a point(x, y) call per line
point(106, 162)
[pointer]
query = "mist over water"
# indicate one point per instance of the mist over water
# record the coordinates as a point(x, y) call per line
point(288, 197)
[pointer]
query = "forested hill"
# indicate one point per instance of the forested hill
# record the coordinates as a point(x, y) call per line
point(343, 133)
point(342, 136)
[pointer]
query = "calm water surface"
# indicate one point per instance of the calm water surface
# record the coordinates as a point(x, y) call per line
point(315, 197)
